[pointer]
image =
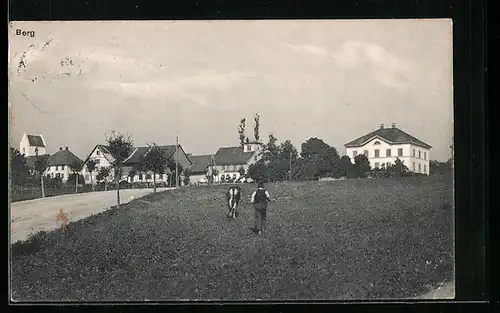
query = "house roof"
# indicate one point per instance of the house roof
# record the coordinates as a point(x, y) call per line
point(30, 160)
point(200, 163)
point(35, 141)
point(232, 156)
point(105, 150)
point(392, 135)
point(141, 152)
point(63, 157)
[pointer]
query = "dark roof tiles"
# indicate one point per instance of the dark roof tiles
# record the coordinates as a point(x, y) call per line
point(392, 135)
point(35, 141)
point(232, 156)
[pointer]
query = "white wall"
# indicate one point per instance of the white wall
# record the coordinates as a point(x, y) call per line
point(62, 170)
point(406, 157)
point(27, 150)
point(101, 161)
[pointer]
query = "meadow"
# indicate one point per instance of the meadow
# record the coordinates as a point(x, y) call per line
point(336, 240)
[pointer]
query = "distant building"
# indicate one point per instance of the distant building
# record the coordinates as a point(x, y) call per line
point(103, 158)
point(199, 169)
point(384, 145)
point(32, 145)
point(60, 162)
point(229, 160)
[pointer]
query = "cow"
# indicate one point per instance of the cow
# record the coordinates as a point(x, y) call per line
point(233, 196)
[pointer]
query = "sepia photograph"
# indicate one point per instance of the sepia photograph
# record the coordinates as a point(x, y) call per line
point(231, 160)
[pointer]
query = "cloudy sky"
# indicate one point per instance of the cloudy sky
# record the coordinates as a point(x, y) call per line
point(335, 80)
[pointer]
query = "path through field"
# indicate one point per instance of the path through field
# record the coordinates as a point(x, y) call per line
point(31, 216)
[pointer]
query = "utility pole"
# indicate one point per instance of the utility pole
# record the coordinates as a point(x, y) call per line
point(176, 162)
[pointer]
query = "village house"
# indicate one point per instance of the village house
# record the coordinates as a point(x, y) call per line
point(59, 164)
point(199, 169)
point(229, 160)
point(103, 158)
point(384, 145)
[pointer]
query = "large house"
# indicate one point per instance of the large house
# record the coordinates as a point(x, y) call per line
point(32, 145)
point(59, 164)
point(103, 158)
point(384, 145)
point(229, 160)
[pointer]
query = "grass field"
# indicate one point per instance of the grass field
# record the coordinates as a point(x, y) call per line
point(352, 239)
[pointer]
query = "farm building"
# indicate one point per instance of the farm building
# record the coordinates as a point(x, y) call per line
point(229, 161)
point(199, 169)
point(384, 145)
point(102, 158)
point(59, 164)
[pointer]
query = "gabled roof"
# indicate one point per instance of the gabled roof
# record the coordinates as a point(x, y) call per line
point(392, 135)
point(30, 160)
point(232, 156)
point(63, 157)
point(140, 152)
point(35, 141)
point(105, 150)
point(200, 163)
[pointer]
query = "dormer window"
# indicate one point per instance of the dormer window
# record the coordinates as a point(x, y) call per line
point(376, 142)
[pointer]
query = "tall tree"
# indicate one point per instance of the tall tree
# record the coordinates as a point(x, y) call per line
point(19, 171)
point(155, 161)
point(41, 164)
point(120, 147)
point(187, 176)
point(323, 159)
point(103, 175)
point(257, 126)
point(132, 174)
point(346, 167)
point(171, 168)
point(76, 167)
point(91, 169)
point(241, 131)
point(361, 165)
point(258, 171)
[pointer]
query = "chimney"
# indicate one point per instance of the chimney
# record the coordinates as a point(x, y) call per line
point(66, 148)
point(60, 148)
point(381, 126)
point(393, 125)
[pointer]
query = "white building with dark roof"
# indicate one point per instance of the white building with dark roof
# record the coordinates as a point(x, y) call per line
point(59, 164)
point(228, 160)
point(384, 145)
point(31, 145)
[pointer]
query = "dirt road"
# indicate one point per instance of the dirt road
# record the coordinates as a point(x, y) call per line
point(32, 216)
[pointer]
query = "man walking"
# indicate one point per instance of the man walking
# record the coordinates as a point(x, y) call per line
point(260, 198)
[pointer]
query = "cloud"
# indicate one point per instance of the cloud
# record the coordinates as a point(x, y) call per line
point(385, 67)
point(310, 49)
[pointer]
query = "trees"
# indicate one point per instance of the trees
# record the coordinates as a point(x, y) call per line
point(120, 147)
point(76, 167)
point(258, 171)
point(436, 167)
point(241, 131)
point(41, 164)
point(187, 174)
point(19, 171)
point(154, 161)
point(241, 170)
point(103, 175)
point(91, 169)
point(132, 174)
point(256, 128)
point(346, 167)
point(171, 167)
point(361, 165)
point(322, 158)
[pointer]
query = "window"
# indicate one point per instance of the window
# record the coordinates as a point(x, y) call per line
point(400, 152)
point(413, 152)
point(354, 153)
point(377, 165)
point(365, 153)
point(425, 155)
point(377, 153)
point(148, 176)
point(140, 176)
point(425, 169)
point(97, 161)
point(62, 167)
point(420, 168)
point(419, 154)
point(376, 143)
point(388, 152)
point(234, 175)
point(98, 152)
point(413, 166)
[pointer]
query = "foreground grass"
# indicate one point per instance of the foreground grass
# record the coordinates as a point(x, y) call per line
point(354, 239)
